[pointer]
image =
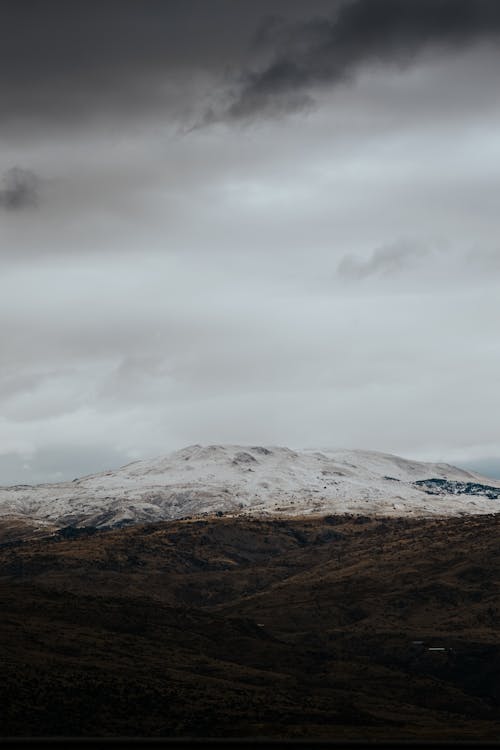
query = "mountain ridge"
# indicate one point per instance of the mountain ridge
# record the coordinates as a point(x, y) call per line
point(258, 480)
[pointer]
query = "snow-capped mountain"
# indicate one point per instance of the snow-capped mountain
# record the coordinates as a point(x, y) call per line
point(255, 480)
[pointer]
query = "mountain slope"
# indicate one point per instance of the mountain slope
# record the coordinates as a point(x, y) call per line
point(241, 480)
point(246, 627)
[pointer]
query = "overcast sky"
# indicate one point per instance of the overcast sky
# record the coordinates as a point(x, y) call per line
point(264, 222)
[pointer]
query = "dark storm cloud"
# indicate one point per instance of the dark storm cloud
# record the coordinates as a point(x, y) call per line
point(330, 50)
point(19, 189)
point(70, 61)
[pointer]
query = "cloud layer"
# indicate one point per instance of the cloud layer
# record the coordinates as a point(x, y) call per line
point(330, 50)
point(20, 189)
point(328, 276)
point(91, 62)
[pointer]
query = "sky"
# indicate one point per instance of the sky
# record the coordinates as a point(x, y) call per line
point(248, 221)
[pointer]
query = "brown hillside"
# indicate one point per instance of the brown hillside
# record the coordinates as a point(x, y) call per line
point(250, 627)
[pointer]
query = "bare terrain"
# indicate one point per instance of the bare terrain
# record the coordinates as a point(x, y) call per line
point(237, 627)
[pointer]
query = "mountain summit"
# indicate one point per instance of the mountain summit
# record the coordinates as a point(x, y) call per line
point(254, 480)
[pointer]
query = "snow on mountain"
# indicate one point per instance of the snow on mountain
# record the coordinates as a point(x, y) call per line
point(255, 480)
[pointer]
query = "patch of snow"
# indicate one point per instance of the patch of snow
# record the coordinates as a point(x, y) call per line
point(239, 480)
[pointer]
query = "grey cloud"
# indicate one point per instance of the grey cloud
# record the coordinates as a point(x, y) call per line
point(330, 50)
point(14, 383)
point(176, 290)
point(70, 63)
point(484, 260)
point(20, 189)
point(384, 261)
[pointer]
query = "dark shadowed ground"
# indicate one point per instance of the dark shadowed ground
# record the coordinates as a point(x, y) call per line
point(254, 628)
